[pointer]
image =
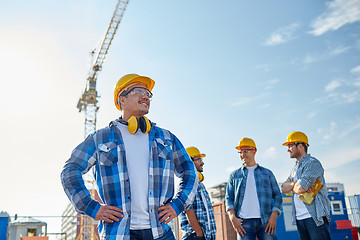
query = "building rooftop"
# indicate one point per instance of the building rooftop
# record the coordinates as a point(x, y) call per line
point(23, 220)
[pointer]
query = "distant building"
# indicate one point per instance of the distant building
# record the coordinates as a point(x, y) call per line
point(217, 193)
point(26, 226)
point(355, 210)
point(338, 214)
point(69, 223)
point(4, 223)
point(78, 226)
point(35, 238)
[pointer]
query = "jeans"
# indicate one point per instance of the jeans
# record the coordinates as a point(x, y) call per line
point(146, 234)
point(193, 237)
point(254, 228)
point(308, 230)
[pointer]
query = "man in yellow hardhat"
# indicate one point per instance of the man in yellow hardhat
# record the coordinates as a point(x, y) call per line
point(253, 198)
point(310, 212)
point(198, 221)
point(134, 163)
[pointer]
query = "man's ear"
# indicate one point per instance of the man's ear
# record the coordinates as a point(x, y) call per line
point(121, 99)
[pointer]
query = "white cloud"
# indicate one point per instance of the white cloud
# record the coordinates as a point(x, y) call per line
point(282, 35)
point(311, 115)
point(351, 97)
point(346, 155)
point(245, 100)
point(270, 153)
point(332, 51)
point(241, 101)
point(351, 129)
point(271, 83)
point(331, 132)
point(332, 86)
point(356, 69)
point(337, 14)
point(266, 105)
point(309, 59)
point(338, 50)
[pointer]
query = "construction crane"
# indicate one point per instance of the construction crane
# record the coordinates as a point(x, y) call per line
point(88, 101)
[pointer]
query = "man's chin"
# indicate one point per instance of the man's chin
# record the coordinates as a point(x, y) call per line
point(143, 112)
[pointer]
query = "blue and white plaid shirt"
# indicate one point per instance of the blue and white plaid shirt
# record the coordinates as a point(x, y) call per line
point(198, 206)
point(308, 170)
point(105, 150)
point(267, 188)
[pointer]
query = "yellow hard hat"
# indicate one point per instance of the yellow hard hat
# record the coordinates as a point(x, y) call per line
point(294, 137)
point(128, 79)
point(193, 152)
point(246, 142)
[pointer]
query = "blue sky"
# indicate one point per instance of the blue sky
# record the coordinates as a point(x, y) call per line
point(223, 71)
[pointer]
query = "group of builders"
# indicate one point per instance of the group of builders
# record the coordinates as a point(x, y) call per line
point(135, 163)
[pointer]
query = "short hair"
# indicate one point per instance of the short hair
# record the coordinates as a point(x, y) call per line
point(303, 144)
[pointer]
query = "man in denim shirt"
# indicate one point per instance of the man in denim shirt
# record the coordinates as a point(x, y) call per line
point(134, 165)
point(198, 222)
point(313, 219)
point(253, 198)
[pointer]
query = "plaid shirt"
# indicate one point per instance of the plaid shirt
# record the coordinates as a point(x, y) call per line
point(105, 150)
point(269, 195)
point(200, 212)
point(308, 170)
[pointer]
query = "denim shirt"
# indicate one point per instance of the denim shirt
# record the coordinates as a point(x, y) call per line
point(309, 169)
point(105, 150)
point(267, 188)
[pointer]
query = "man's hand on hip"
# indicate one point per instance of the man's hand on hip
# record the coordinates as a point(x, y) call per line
point(167, 213)
point(109, 213)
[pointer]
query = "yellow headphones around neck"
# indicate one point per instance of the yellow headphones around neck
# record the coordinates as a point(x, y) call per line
point(134, 124)
point(201, 176)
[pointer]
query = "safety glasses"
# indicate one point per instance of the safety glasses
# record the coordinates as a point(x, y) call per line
point(138, 91)
point(245, 150)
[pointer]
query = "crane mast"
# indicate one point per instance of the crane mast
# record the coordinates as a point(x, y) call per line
point(88, 101)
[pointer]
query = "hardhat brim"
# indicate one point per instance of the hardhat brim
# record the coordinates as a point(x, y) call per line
point(239, 147)
point(202, 155)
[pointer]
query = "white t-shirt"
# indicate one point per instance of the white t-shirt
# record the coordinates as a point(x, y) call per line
point(137, 161)
point(300, 208)
point(206, 207)
point(250, 207)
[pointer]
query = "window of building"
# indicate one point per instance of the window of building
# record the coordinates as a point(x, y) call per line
point(31, 232)
point(337, 208)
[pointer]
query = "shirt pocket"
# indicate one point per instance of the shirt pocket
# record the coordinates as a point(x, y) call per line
point(164, 148)
point(108, 153)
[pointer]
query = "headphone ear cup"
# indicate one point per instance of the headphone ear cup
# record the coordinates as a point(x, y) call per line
point(201, 176)
point(144, 124)
point(133, 124)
